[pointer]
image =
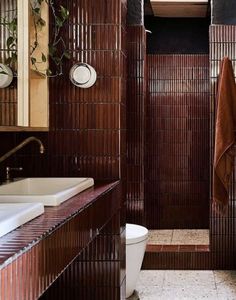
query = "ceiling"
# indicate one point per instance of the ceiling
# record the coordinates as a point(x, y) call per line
point(180, 8)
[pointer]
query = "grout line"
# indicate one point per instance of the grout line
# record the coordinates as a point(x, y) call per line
point(215, 284)
point(172, 235)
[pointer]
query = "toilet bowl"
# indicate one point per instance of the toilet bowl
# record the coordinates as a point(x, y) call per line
point(136, 240)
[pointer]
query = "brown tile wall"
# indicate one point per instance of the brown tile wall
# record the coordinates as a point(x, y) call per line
point(176, 260)
point(87, 126)
point(177, 142)
point(87, 134)
point(223, 228)
point(136, 96)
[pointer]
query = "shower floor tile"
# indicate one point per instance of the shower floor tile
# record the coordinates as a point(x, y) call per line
point(185, 285)
point(179, 237)
point(160, 237)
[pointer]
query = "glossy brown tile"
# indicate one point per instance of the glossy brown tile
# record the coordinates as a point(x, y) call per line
point(87, 138)
point(34, 255)
point(136, 113)
point(177, 142)
point(220, 253)
point(87, 126)
point(222, 239)
point(99, 270)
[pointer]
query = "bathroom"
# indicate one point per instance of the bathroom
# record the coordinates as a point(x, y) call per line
point(142, 128)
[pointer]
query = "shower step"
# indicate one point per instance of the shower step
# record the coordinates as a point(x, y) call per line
point(178, 237)
point(177, 257)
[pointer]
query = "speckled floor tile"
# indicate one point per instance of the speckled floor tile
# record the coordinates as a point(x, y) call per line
point(160, 237)
point(179, 237)
point(225, 284)
point(189, 278)
point(189, 292)
point(190, 237)
point(225, 276)
point(151, 278)
point(151, 293)
point(187, 285)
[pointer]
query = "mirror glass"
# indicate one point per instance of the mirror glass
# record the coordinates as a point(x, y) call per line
point(8, 62)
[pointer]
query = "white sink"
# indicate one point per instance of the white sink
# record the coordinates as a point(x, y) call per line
point(49, 191)
point(13, 215)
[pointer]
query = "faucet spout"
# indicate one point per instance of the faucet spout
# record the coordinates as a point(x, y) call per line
point(21, 145)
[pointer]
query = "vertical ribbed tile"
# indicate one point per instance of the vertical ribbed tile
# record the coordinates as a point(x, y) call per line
point(87, 126)
point(87, 138)
point(177, 142)
point(136, 96)
point(222, 228)
point(93, 116)
point(99, 271)
point(49, 245)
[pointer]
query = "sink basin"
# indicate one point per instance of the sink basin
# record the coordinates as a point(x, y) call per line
point(13, 215)
point(49, 191)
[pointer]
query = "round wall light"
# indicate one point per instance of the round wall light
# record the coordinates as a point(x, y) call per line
point(83, 75)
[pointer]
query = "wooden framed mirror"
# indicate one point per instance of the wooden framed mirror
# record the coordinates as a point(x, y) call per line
point(24, 103)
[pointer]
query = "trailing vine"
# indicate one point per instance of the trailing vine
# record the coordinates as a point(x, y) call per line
point(11, 42)
point(57, 50)
point(57, 46)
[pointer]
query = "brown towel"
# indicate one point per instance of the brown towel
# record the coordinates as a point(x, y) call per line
point(224, 135)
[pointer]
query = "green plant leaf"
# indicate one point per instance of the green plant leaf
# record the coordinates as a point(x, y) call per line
point(56, 46)
point(49, 72)
point(44, 59)
point(10, 41)
point(58, 21)
point(33, 60)
point(13, 25)
point(36, 11)
point(52, 50)
point(64, 13)
point(14, 57)
point(66, 54)
point(41, 22)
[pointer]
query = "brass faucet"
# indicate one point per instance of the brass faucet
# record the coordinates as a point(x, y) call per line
point(21, 145)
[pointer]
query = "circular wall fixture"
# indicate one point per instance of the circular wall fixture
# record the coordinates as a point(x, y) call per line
point(6, 76)
point(83, 75)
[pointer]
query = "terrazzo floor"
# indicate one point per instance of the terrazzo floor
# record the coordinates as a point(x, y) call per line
point(179, 237)
point(186, 285)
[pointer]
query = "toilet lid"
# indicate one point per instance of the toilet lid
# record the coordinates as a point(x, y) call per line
point(135, 234)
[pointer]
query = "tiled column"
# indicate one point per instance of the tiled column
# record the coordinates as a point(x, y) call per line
point(136, 97)
point(222, 228)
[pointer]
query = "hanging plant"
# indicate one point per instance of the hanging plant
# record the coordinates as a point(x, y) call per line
point(11, 42)
point(57, 50)
point(57, 47)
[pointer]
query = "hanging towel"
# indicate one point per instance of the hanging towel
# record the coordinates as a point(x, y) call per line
point(224, 135)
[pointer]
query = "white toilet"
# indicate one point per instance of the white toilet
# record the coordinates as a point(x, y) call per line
point(136, 240)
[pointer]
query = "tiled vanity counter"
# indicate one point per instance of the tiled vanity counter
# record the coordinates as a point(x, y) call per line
point(33, 256)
